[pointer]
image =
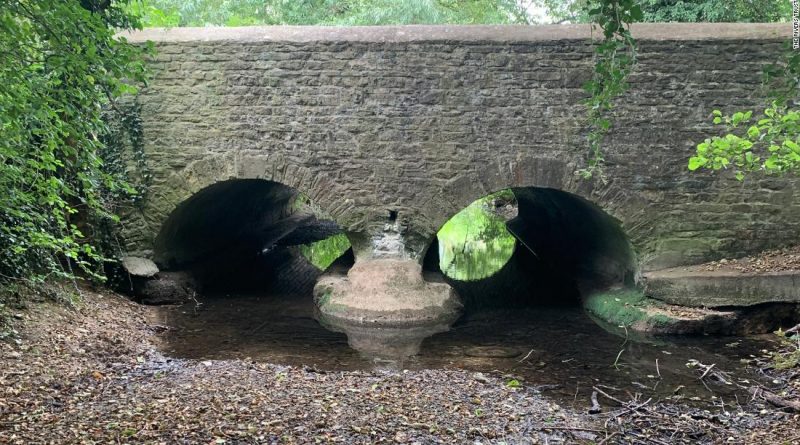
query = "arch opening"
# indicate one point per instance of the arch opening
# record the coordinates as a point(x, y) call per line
point(564, 247)
point(247, 235)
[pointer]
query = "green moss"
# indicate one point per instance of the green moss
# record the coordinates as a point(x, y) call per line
point(620, 307)
point(660, 320)
point(325, 298)
point(628, 308)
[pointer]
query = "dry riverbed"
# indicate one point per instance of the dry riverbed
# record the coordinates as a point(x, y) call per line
point(94, 375)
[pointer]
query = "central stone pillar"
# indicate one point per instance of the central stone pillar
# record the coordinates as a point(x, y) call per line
point(384, 304)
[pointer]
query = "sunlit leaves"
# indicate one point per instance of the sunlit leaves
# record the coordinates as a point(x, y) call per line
point(327, 12)
point(771, 145)
point(324, 252)
point(475, 242)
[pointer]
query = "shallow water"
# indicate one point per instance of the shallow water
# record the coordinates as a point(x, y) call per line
point(559, 350)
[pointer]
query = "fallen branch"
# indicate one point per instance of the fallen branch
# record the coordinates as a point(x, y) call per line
point(708, 369)
point(608, 396)
point(634, 408)
point(608, 438)
point(775, 399)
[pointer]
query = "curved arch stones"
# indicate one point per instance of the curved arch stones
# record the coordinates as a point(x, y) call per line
point(394, 129)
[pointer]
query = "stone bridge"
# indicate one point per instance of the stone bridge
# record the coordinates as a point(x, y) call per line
point(392, 130)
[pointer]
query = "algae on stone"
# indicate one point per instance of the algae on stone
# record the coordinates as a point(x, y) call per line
point(619, 307)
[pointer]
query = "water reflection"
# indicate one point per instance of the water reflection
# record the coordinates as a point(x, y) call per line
point(557, 348)
point(385, 344)
point(475, 243)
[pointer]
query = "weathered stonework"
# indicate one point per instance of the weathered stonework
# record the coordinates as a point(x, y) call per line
point(722, 288)
point(421, 121)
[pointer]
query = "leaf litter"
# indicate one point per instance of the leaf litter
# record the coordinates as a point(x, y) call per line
point(94, 375)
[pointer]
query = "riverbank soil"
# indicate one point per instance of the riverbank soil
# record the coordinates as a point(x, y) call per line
point(94, 375)
point(778, 260)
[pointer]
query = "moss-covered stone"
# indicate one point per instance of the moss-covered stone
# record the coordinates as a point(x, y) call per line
point(622, 307)
point(636, 313)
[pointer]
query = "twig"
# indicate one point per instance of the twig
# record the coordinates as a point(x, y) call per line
point(657, 370)
point(566, 428)
point(707, 371)
point(608, 438)
point(623, 347)
point(634, 408)
point(526, 356)
point(610, 397)
point(616, 360)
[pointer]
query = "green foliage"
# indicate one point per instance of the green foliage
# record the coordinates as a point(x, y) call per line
point(151, 16)
point(475, 243)
point(770, 143)
point(752, 11)
point(323, 253)
point(615, 56)
point(61, 67)
point(328, 12)
point(660, 11)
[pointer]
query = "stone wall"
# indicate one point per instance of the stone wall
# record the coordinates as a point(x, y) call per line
point(423, 120)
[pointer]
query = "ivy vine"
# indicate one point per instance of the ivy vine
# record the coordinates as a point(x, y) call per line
point(123, 152)
point(615, 57)
point(64, 73)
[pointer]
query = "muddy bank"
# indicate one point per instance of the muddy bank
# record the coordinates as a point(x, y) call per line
point(94, 376)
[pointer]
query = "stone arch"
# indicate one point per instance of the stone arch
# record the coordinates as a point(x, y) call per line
point(624, 205)
point(244, 235)
point(572, 211)
point(241, 164)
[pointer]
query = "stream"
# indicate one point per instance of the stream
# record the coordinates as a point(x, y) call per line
point(559, 350)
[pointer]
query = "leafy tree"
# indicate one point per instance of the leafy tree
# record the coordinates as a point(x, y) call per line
point(566, 11)
point(328, 12)
point(576, 11)
point(61, 70)
point(754, 11)
point(475, 242)
point(770, 143)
